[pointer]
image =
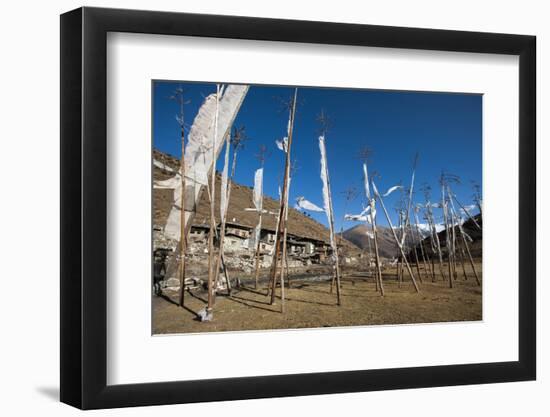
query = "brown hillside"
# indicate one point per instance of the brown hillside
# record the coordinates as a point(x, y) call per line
point(241, 197)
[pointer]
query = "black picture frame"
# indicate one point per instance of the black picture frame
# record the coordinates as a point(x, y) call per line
point(84, 207)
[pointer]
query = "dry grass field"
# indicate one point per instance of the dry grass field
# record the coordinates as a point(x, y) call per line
point(310, 304)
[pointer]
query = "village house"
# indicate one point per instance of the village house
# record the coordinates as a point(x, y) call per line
point(237, 236)
point(295, 247)
point(199, 232)
point(267, 241)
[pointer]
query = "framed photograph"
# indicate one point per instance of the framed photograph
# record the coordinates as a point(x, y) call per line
point(259, 208)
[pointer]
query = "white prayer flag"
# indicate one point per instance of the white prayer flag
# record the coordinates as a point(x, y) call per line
point(302, 203)
point(326, 192)
point(258, 189)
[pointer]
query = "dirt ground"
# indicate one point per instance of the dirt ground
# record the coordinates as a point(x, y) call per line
point(310, 304)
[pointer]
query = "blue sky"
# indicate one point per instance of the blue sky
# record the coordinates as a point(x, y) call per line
point(445, 129)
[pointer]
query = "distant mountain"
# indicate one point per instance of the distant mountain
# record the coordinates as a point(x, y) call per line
point(386, 243)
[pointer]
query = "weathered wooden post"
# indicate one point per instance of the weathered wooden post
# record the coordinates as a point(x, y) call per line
point(420, 241)
point(327, 200)
point(447, 231)
point(178, 96)
point(213, 225)
point(380, 199)
point(258, 195)
point(279, 240)
point(372, 216)
point(466, 246)
point(224, 205)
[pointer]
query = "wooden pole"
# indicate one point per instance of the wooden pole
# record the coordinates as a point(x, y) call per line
point(349, 195)
point(378, 266)
point(284, 201)
point(257, 254)
point(287, 271)
point(470, 258)
point(222, 227)
point(463, 234)
point(462, 256)
point(212, 215)
point(433, 268)
point(400, 268)
point(372, 203)
point(331, 224)
point(426, 259)
point(183, 235)
point(420, 240)
point(275, 246)
point(397, 240)
point(433, 246)
point(437, 244)
point(447, 232)
point(283, 260)
point(453, 246)
point(466, 211)
point(369, 266)
point(415, 255)
point(221, 260)
point(408, 217)
point(237, 145)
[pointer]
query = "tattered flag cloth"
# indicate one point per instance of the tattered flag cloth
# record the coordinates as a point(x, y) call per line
point(371, 201)
point(202, 134)
point(468, 209)
point(366, 178)
point(302, 203)
point(326, 191)
point(391, 190)
point(364, 216)
point(258, 189)
point(263, 211)
point(198, 160)
point(387, 193)
point(164, 167)
point(257, 232)
point(258, 202)
point(355, 217)
point(282, 144)
point(224, 191)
